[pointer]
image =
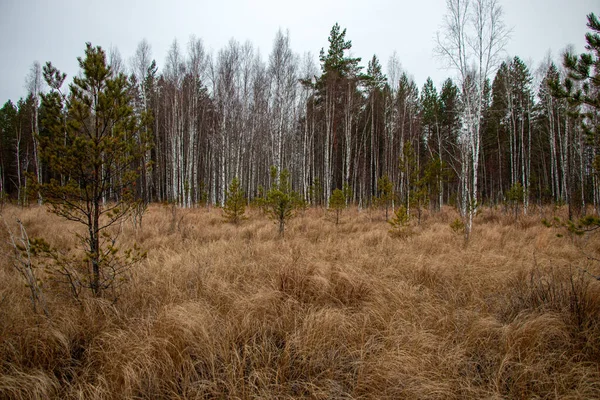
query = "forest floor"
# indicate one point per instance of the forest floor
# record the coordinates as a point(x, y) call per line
point(328, 312)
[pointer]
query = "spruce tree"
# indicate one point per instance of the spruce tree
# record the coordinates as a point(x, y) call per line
point(235, 203)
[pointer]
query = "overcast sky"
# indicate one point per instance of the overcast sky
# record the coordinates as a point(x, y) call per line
point(57, 30)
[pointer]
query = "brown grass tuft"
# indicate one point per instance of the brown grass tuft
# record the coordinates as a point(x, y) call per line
point(346, 311)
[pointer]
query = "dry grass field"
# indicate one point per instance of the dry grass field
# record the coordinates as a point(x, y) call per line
point(328, 312)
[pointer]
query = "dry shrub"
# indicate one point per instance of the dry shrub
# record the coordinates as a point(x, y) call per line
point(218, 311)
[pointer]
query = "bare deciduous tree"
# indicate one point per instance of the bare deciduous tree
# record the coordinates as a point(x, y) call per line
point(35, 86)
point(472, 42)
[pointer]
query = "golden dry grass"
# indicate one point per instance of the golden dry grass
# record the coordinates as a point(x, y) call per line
point(329, 312)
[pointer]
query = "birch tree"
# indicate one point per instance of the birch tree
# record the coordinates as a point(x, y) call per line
point(309, 75)
point(282, 71)
point(551, 112)
point(174, 74)
point(196, 66)
point(143, 68)
point(35, 85)
point(472, 42)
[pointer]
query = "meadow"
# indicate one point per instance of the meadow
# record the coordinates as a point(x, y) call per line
point(330, 311)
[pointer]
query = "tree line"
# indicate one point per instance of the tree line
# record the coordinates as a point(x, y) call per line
point(497, 133)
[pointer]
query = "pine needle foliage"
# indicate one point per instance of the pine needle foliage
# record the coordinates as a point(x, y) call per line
point(386, 193)
point(401, 223)
point(337, 202)
point(93, 149)
point(514, 197)
point(235, 204)
point(585, 70)
point(281, 200)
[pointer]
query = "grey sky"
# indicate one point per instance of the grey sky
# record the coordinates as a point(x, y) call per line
point(57, 30)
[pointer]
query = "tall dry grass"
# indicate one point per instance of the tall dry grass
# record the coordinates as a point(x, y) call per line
point(342, 312)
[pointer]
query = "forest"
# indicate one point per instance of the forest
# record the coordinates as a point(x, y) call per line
point(231, 227)
point(499, 132)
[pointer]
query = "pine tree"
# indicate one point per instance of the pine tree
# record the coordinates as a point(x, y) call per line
point(337, 202)
point(514, 197)
point(400, 223)
point(386, 193)
point(585, 69)
point(92, 150)
point(281, 200)
point(315, 192)
point(375, 83)
point(235, 203)
point(450, 127)
point(335, 62)
point(336, 90)
point(8, 134)
point(431, 119)
point(581, 88)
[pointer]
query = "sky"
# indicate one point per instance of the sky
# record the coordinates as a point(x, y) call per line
point(56, 31)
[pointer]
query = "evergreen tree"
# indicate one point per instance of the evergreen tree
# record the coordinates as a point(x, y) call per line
point(235, 203)
point(92, 152)
point(336, 93)
point(507, 139)
point(8, 133)
point(400, 223)
point(335, 61)
point(431, 119)
point(581, 89)
point(281, 200)
point(347, 192)
point(430, 116)
point(585, 69)
point(450, 127)
point(337, 202)
point(375, 83)
point(315, 192)
point(514, 197)
point(386, 193)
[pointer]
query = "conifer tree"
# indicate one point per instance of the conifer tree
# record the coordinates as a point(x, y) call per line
point(400, 223)
point(281, 200)
point(335, 91)
point(585, 69)
point(235, 203)
point(8, 134)
point(386, 193)
point(514, 196)
point(582, 90)
point(316, 192)
point(91, 149)
point(337, 202)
